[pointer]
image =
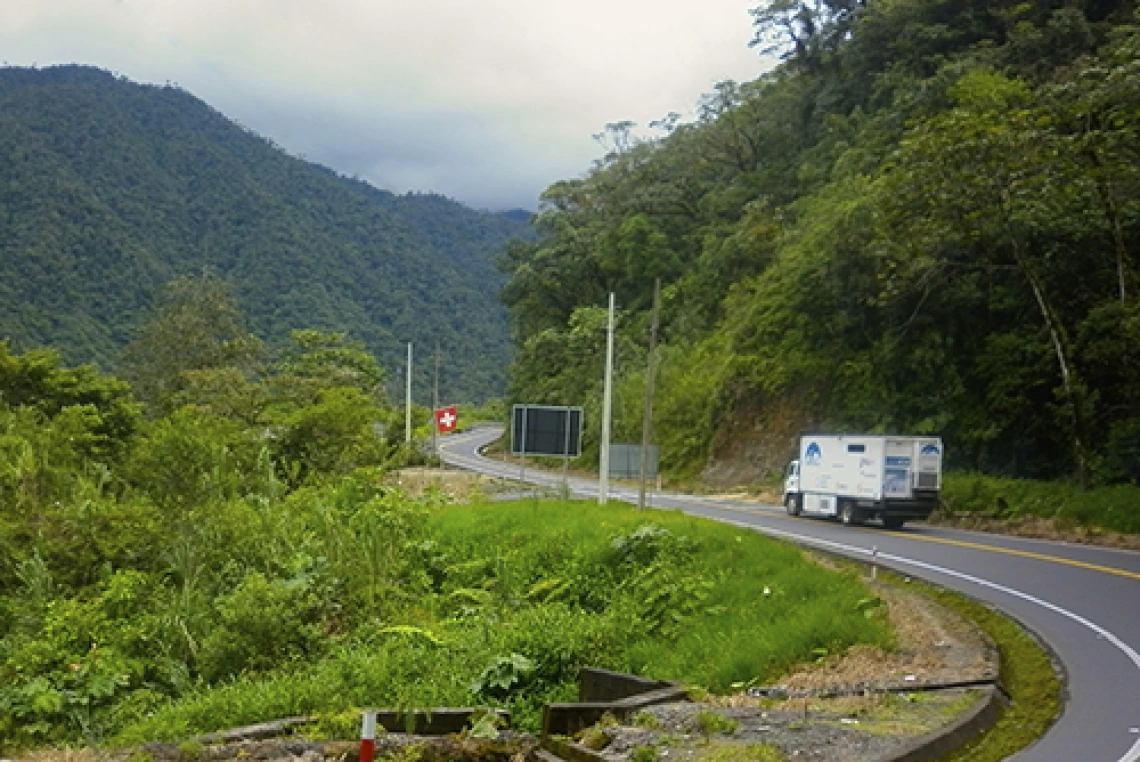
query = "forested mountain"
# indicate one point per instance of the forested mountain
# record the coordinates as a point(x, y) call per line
point(110, 189)
point(926, 219)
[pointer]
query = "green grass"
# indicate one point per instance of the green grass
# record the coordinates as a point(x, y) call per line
point(522, 595)
point(728, 628)
point(1105, 508)
point(714, 723)
point(743, 753)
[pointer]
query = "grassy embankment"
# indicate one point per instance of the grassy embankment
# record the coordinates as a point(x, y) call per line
point(1042, 508)
point(524, 594)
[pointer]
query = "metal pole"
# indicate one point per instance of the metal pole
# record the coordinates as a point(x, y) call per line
point(408, 400)
point(650, 378)
point(435, 407)
point(607, 395)
point(522, 450)
point(566, 455)
point(368, 735)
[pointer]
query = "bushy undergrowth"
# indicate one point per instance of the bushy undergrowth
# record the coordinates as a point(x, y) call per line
point(1107, 508)
point(202, 570)
point(516, 598)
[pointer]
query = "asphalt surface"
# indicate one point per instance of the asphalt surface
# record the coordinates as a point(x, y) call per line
point(1081, 601)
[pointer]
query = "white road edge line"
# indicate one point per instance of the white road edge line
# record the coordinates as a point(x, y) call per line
point(1132, 755)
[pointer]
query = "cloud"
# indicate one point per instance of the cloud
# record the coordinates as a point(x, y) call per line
point(488, 102)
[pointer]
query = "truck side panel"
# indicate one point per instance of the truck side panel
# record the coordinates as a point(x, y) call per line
point(883, 476)
point(820, 504)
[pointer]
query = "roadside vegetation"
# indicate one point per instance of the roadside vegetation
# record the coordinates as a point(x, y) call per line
point(1041, 507)
point(925, 220)
point(501, 604)
point(233, 551)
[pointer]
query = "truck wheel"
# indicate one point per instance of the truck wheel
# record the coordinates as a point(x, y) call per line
point(848, 514)
point(893, 522)
point(792, 504)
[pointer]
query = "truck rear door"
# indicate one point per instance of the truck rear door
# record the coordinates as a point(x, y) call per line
point(898, 462)
point(928, 455)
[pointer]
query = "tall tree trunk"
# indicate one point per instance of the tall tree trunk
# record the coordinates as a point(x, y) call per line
point(1112, 213)
point(1068, 380)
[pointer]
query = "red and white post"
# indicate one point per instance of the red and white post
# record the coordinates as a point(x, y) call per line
point(368, 736)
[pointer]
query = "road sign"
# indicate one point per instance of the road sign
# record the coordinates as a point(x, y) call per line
point(625, 461)
point(446, 419)
point(546, 430)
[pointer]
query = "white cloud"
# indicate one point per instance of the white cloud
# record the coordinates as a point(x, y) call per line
point(489, 102)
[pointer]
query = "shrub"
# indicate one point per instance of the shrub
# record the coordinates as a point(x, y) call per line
point(264, 625)
point(1106, 508)
point(713, 723)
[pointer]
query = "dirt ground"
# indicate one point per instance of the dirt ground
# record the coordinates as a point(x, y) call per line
point(463, 486)
point(934, 646)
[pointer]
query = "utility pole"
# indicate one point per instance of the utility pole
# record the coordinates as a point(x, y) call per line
point(650, 378)
point(435, 407)
point(408, 400)
point(607, 395)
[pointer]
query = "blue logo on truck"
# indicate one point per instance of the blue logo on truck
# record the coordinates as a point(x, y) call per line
point(930, 449)
point(812, 454)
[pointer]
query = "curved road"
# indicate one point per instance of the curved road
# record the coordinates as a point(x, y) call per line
point(1083, 601)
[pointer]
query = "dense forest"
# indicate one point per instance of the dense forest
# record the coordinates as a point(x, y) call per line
point(925, 220)
point(111, 189)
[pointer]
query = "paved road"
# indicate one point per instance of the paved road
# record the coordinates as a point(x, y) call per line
point(1084, 602)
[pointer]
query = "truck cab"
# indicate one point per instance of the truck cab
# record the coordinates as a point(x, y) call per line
point(792, 498)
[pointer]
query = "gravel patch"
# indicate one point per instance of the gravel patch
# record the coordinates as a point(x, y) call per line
point(867, 728)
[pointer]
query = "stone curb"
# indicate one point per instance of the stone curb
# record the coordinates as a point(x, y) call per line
point(979, 718)
point(558, 750)
point(258, 732)
point(602, 692)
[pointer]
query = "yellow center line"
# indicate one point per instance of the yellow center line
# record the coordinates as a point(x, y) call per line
point(995, 549)
point(1029, 554)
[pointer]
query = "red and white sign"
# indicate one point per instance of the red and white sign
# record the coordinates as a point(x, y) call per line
point(445, 419)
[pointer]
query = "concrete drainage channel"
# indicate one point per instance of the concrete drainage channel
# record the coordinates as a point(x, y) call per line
point(606, 694)
point(601, 693)
point(622, 697)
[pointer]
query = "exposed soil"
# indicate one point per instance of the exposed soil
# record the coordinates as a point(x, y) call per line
point(462, 486)
point(867, 729)
point(934, 646)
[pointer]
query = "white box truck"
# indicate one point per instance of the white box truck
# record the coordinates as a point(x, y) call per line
point(894, 479)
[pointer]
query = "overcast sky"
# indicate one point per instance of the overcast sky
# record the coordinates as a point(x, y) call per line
point(487, 102)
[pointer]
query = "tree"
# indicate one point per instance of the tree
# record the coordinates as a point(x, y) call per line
point(37, 380)
point(986, 184)
point(316, 361)
point(803, 31)
point(197, 327)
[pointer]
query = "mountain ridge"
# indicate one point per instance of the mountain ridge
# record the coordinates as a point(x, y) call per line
point(109, 189)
